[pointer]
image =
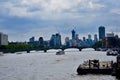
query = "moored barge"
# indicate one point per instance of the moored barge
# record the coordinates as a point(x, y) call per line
point(96, 67)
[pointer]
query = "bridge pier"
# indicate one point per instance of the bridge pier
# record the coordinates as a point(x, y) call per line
point(63, 49)
point(28, 51)
point(95, 49)
point(45, 50)
point(80, 49)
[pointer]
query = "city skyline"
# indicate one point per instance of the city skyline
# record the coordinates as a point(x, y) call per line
point(22, 19)
point(72, 36)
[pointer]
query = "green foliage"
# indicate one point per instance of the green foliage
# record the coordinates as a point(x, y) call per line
point(97, 44)
point(17, 46)
point(38, 46)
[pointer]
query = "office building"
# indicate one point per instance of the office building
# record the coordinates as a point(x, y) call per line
point(41, 41)
point(55, 40)
point(52, 41)
point(95, 38)
point(89, 41)
point(77, 37)
point(73, 34)
point(32, 39)
point(111, 40)
point(3, 39)
point(89, 36)
point(58, 39)
point(84, 39)
point(101, 32)
point(67, 41)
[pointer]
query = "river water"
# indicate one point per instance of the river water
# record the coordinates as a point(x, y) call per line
point(48, 66)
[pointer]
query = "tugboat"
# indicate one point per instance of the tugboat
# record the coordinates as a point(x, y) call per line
point(95, 67)
point(60, 53)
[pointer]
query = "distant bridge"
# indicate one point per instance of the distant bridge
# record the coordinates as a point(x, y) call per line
point(63, 48)
point(39, 49)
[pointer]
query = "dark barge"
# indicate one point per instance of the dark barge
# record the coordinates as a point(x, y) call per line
point(96, 67)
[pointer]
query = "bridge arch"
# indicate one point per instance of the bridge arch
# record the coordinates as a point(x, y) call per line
point(53, 50)
point(71, 48)
point(64, 48)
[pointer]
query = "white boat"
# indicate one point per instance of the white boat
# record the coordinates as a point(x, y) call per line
point(60, 53)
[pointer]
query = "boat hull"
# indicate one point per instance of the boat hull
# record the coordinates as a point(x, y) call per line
point(81, 71)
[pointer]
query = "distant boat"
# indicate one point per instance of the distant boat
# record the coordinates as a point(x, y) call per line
point(60, 53)
point(101, 49)
point(112, 53)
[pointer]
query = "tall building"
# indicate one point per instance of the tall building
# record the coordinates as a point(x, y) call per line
point(84, 39)
point(77, 36)
point(73, 34)
point(32, 39)
point(55, 40)
point(101, 32)
point(58, 39)
point(89, 41)
point(41, 41)
point(95, 38)
point(111, 40)
point(52, 41)
point(89, 36)
point(67, 41)
point(3, 39)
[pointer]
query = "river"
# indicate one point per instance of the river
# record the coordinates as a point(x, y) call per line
point(49, 66)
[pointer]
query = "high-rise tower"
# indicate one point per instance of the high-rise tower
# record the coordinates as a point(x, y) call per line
point(73, 34)
point(95, 38)
point(101, 32)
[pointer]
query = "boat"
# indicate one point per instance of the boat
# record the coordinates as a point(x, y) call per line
point(95, 67)
point(60, 53)
point(111, 53)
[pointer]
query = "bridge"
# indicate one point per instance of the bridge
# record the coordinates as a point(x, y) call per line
point(40, 49)
point(63, 48)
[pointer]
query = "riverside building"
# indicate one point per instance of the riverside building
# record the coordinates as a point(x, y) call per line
point(3, 39)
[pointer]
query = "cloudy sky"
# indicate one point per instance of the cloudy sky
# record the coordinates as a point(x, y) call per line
point(22, 19)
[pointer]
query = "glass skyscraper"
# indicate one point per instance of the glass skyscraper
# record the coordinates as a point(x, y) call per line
point(101, 32)
point(73, 34)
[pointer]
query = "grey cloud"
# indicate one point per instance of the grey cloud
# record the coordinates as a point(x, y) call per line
point(86, 15)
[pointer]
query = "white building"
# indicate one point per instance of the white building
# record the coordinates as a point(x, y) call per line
point(3, 39)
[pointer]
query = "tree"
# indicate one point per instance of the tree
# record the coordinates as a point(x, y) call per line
point(97, 44)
